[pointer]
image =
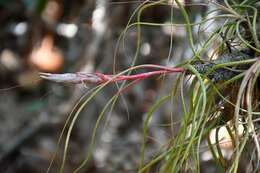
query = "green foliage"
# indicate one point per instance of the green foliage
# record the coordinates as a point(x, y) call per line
point(202, 116)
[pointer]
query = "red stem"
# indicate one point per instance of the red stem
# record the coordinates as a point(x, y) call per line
point(164, 70)
point(139, 76)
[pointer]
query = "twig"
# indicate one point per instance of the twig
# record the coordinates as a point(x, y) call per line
point(99, 78)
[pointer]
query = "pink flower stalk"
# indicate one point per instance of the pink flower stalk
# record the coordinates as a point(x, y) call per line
point(99, 78)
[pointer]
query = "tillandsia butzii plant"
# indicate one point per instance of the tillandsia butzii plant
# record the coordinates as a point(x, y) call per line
point(224, 92)
point(210, 69)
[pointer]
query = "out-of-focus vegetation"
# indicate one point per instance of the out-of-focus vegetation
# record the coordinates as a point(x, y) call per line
point(182, 123)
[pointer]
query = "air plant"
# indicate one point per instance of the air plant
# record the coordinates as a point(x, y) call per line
point(224, 92)
point(212, 70)
point(223, 69)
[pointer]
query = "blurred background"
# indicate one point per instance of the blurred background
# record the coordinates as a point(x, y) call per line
point(61, 36)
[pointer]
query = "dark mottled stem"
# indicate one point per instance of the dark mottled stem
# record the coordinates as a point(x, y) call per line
point(209, 68)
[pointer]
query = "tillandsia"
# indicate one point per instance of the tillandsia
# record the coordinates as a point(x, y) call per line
point(224, 68)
